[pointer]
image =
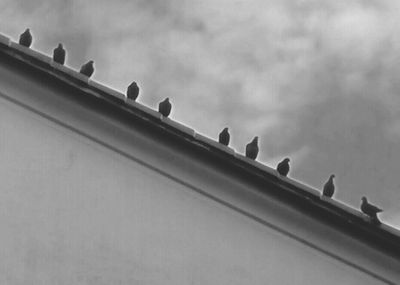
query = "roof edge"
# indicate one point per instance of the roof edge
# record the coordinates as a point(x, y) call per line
point(346, 214)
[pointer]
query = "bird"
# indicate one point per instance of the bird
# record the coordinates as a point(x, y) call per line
point(329, 187)
point(132, 92)
point(59, 54)
point(252, 149)
point(370, 210)
point(87, 69)
point(25, 39)
point(224, 137)
point(165, 107)
point(283, 167)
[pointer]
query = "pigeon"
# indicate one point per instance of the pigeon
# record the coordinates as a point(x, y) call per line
point(370, 210)
point(283, 167)
point(87, 69)
point(252, 149)
point(165, 107)
point(59, 54)
point(224, 137)
point(132, 92)
point(25, 39)
point(329, 187)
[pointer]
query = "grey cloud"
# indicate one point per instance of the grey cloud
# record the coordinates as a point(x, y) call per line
point(313, 75)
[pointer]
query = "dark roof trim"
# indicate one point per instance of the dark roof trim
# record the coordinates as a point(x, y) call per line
point(353, 221)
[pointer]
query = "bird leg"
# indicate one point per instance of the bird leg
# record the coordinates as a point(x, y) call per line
point(375, 220)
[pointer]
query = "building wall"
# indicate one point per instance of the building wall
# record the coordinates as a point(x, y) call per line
point(86, 199)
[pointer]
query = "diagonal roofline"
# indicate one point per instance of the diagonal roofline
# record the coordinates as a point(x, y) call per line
point(299, 195)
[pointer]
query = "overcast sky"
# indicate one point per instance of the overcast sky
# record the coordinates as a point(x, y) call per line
point(317, 81)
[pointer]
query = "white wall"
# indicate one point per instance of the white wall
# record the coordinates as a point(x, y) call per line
point(76, 212)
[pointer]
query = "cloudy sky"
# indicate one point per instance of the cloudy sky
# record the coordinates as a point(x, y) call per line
point(316, 80)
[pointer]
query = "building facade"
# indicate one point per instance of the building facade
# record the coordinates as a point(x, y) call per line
point(97, 189)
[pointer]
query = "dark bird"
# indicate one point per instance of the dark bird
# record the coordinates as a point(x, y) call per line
point(132, 92)
point(252, 149)
point(87, 69)
point(165, 107)
point(329, 187)
point(370, 210)
point(25, 39)
point(283, 167)
point(59, 54)
point(224, 137)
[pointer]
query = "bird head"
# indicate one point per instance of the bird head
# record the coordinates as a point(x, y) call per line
point(364, 199)
point(225, 130)
point(332, 176)
point(166, 99)
point(255, 140)
point(27, 30)
point(60, 45)
point(286, 159)
point(91, 62)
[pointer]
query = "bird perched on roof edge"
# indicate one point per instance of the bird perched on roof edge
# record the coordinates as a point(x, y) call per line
point(252, 149)
point(370, 210)
point(283, 167)
point(25, 39)
point(224, 137)
point(132, 92)
point(87, 69)
point(59, 54)
point(165, 107)
point(329, 187)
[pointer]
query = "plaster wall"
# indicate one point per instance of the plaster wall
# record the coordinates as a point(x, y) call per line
point(86, 199)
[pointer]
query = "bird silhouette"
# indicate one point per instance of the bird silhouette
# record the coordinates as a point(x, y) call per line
point(59, 54)
point(224, 137)
point(370, 210)
point(87, 69)
point(252, 149)
point(329, 187)
point(165, 107)
point(25, 39)
point(132, 92)
point(283, 167)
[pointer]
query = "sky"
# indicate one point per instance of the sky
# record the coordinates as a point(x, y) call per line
point(317, 81)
